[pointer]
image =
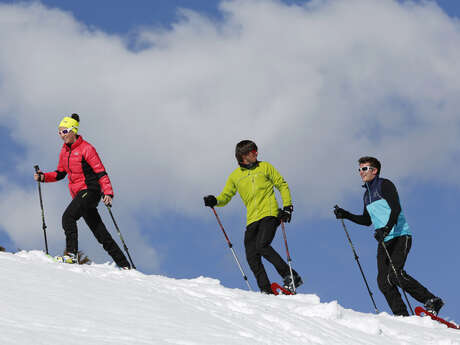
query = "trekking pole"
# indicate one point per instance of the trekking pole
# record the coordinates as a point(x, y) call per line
point(41, 206)
point(230, 245)
point(359, 265)
point(288, 257)
point(397, 277)
point(121, 237)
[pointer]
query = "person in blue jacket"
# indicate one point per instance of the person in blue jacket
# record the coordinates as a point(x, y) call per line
point(383, 210)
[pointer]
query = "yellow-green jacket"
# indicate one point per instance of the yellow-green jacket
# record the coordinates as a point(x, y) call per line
point(255, 187)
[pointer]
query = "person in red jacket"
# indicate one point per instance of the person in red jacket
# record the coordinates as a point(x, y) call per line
point(88, 181)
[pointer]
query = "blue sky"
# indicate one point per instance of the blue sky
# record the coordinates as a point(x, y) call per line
point(120, 17)
point(164, 224)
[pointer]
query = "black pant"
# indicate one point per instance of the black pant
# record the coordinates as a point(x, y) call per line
point(257, 239)
point(85, 205)
point(398, 248)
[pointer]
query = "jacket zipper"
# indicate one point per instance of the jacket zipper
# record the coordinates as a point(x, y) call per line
point(369, 192)
point(68, 165)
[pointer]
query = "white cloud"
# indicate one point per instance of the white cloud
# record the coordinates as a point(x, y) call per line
point(316, 86)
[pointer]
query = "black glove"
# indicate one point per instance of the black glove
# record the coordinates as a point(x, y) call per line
point(285, 214)
point(340, 213)
point(210, 201)
point(381, 233)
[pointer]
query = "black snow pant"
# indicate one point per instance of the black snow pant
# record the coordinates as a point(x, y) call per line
point(257, 239)
point(85, 205)
point(398, 248)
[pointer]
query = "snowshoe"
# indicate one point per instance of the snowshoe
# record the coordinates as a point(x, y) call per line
point(68, 258)
point(422, 312)
point(277, 289)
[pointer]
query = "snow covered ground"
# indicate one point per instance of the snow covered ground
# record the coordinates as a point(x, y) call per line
point(43, 302)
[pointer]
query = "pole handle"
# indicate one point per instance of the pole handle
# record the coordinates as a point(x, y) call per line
point(37, 169)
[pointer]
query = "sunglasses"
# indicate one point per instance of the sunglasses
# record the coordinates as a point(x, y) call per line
point(66, 130)
point(363, 169)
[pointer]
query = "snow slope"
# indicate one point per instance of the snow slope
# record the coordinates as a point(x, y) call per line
point(43, 302)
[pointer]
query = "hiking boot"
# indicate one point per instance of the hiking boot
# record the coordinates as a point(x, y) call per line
point(67, 258)
point(433, 305)
point(288, 281)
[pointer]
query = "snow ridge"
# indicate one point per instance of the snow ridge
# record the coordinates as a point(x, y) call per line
point(44, 302)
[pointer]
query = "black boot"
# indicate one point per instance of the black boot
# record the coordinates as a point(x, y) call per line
point(288, 281)
point(433, 305)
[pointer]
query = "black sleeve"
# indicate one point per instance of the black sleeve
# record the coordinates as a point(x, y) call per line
point(361, 219)
point(390, 194)
point(60, 175)
point(99, 175)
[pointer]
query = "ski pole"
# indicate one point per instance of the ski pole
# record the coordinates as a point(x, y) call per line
point(121, 237)
point(288, 257)
point(230, 245)
point(397, 277)
point(359, 265)
point(41, 206)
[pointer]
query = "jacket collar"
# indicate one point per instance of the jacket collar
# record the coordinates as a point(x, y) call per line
point(249, 166)
point(74, 145)
point(372, 183)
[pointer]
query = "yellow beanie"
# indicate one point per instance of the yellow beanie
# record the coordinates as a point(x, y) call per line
point(69, 122)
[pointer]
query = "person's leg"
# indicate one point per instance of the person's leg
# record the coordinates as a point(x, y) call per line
point(72, 213)
point(265, 235)
point(94, 222)
point(253, 257)
point(386, 286)
point(400, 250)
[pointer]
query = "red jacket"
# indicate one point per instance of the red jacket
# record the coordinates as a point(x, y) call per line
point(84, 167)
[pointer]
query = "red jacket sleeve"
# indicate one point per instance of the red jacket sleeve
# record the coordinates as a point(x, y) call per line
point(58, 174)
point(92, 158)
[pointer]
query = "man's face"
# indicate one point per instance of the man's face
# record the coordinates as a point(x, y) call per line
point(367, 172)
point(250, 158)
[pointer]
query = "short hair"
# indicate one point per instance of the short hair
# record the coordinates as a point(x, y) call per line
point(374, 162)
point(243, 148)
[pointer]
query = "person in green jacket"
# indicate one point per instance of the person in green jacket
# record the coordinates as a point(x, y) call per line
point(254, 181)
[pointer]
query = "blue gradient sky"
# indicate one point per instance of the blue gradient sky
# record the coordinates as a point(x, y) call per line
point(189, 243)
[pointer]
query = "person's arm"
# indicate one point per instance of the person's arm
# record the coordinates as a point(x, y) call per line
point(227, 193)
point(280, 183)
point(92, 158)
point(361, 219)
point(390, 194)
point(56, 175)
